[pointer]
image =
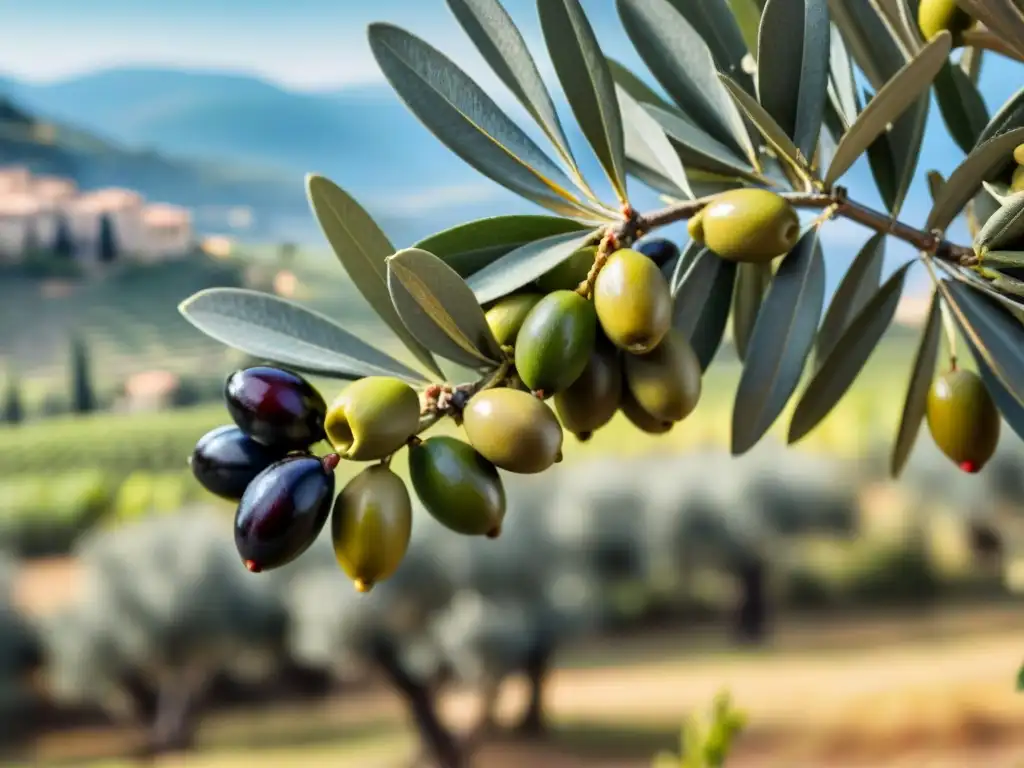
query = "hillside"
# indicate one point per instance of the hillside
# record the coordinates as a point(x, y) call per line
point(54, 147)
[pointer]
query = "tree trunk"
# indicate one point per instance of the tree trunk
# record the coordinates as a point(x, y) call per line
point(538, 665)
point(751, 621)
point(440, 743)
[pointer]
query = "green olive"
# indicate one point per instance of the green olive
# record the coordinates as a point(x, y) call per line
point(640, 418)
point(591, 401)
point(372, 418)
point(514, 430)
point(749, 225)
point(505, 316)
point(555, 342)
point(1018, 154)
point(457, 486)
point(570, 273)
point(1017, 184)
point(934, 16)
point(666, 382)
point(371, 526)
point(633, 301)
point(963, 419)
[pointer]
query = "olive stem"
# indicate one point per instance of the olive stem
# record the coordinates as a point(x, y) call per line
point(927, 242)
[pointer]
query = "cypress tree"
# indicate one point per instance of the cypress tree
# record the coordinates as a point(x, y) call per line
point(83, 398)
point(108, 245)
point(63, 243)
point(14, 409)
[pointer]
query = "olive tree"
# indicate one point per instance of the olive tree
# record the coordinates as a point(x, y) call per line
point(165, 608)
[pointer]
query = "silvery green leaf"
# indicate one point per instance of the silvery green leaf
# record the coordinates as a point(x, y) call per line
point(898, 95)
point(1005, 228)
point(717, 26)
point(361, 247)
point(781, 342)
point(966, 180)
point(772, 132)
point(680, 60)
point(1008, 117)
point(647, 144)
point(752, 280)
point(440, 309)
point(525, 264)
point(697, 148)
point(702, 295)
point(962, 106)
point(468, 121)
point(916, 401)
point(792, 84)
point(283, 332)
point(587, 83)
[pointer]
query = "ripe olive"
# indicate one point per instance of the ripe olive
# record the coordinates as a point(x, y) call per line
point(513, 429)
point(633, 301)
point(660, 250)
point(640, 418)
point(276, 407)
point(570, 273)
point(591, 401)
point(1017, 183)
point(458, 487)
point(751, 225)
point(934, 16)
point(963, 419)
point(226, 460)
point(371, 526)
point(372, 418)
point(555, 342)
point(283, 511)
point(505, 317)
point(666, 382)
point(1018, 154)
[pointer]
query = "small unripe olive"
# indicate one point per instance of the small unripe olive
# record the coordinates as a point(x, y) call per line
point(570, 273)
point(666, 382)
point(371, 525)
point(458, 487)
point(591, 401)
point(750, 225)
point(633, 301)
point(514, 430)
point(555, 342)
point(372, 418)
point(640, 418)
point(934, 16)
point(963, 419)
point(1018, 154)
point(1017, 184)
point(505, 316)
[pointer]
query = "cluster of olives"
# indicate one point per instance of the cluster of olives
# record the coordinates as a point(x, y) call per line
point(935, 16)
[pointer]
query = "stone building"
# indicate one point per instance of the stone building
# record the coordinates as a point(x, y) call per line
point(31, 208)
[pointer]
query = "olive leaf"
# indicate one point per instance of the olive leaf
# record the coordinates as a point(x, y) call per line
point(777, 138)
point(696, 148)
point(1008, 117)
point(997, 335)
point(525, 264)
point(437, 305)
point(702, 295)
point(647, 144)
point(1004, 228)
point(752, 280)
point(961, 105)
point(898, 95)
point(847, 357)
point(858, 285)
point(748, 19)
point(893, 155)
point(587, 83)
point(681, 61)
point(780, 343)
point(792, 84)
point(633, 85)
point(842, 90)
point(971, 61)
point(966, 180)
point(468, 121)
point(1004, 259)
point(905, 24)
point(361, 247)
point(1001, 15)
point(1011, 410)
point(283, 332)
point(935, 182)
point(714, 21)
point(502, 46)
point(916, 401)
point(468, 248)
